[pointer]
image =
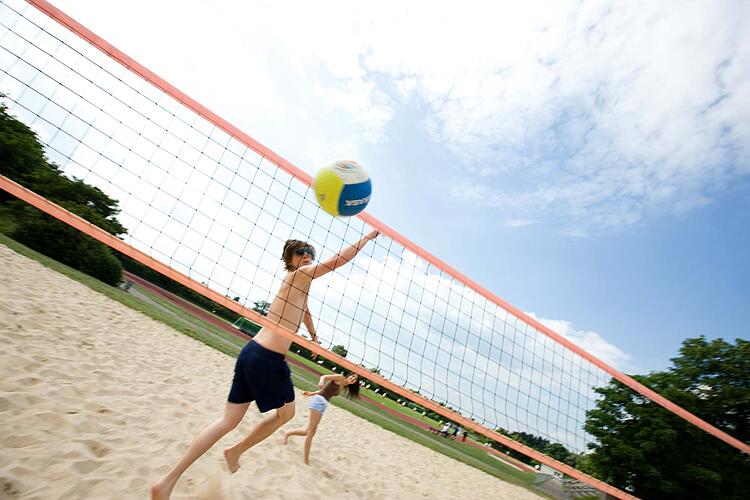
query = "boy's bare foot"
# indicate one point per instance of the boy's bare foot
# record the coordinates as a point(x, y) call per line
point(161, 490)
point(286, 437)
point(233, 461)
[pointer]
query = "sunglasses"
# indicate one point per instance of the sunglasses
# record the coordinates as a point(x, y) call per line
point(305, 250)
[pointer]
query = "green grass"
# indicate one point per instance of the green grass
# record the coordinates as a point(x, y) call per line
point(454, 449)
point(372, 394)
point(190, 321)
point(400, 408)
point(165, 312)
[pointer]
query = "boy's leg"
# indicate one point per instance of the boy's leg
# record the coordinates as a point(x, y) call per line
point(315, 417)
point(261, 431)
point(205, 439)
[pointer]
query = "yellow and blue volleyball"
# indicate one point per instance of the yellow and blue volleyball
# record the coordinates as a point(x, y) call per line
point(343, 188)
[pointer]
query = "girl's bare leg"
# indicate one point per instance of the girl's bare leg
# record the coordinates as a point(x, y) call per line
point(295, 432)
point(205, 439)
point(312, 426)
point(261, 431)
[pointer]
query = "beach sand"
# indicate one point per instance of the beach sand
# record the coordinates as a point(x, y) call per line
point(98, 401)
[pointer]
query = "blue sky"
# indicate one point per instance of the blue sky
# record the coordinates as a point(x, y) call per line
point(590, 164)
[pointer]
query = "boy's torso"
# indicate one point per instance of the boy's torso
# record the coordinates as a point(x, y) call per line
point(287, 311)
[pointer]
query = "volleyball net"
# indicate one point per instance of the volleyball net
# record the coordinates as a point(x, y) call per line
point(206, 205)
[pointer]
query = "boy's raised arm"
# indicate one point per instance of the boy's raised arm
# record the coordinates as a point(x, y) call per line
point(347, 254)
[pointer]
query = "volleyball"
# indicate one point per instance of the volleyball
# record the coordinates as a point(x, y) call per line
point(343, 188)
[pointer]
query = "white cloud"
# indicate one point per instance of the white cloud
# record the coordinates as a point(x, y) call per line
point(473, 192)
point(407, 87)
point(518, 222)
point(592, 342)
point(602, 113)
point(606, 116)
point(368, 106)
point(609, 113)
point(576, 232)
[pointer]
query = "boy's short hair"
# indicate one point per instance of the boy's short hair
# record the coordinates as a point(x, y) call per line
point(290, 247)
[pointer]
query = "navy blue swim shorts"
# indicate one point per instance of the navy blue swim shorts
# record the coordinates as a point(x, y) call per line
point(262, 376)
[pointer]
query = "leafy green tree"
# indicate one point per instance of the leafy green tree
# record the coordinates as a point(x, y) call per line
point(340, 350)
point(262, 307)
point(21, 154)
point(559, 452)
point(67, 245)
point(642, 447)
point(22, 159)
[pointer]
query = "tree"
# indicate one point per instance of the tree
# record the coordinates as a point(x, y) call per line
point(262, 307)
point(560, 453)
point(656, 454)
point(68, 245)
point(557, 451)
point(340, 350)
point(21, 154)
point(22, 159)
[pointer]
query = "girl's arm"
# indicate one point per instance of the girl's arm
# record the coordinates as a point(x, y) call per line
point(318, 270)
point(310, 393)
point(339, 379)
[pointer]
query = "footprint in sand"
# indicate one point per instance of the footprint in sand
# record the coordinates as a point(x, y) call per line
point(216, 485)
point(9, 488)
point(19, 441)
point(6, 404)
point(27, 381)
point(86, 466)
point(97, 448)
point(50, 420)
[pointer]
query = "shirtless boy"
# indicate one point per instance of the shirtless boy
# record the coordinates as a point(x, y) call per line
point(261, 373)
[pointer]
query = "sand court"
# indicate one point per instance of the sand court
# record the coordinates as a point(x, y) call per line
point(98, 401)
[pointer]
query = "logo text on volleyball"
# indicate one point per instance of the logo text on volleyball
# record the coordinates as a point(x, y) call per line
point(356, 203)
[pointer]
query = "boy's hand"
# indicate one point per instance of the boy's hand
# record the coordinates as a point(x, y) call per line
point(306, 393)
point(373, 234)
